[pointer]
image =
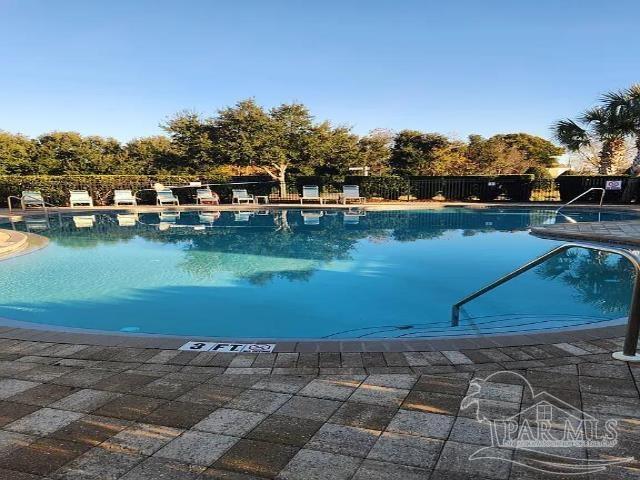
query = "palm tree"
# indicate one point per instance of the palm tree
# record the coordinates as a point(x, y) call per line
point(608, 127)
point(600, 125)
point(626, 105)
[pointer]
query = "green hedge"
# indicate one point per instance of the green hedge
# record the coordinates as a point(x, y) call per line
point(55, 189)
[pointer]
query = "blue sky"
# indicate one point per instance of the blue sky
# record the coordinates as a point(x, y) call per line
point(118, 67)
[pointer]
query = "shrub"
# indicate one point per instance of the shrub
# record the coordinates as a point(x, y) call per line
point(55, 189)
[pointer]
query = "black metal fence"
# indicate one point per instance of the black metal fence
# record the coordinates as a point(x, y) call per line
point(501, 188)
point(481, 188)
point(498, 188)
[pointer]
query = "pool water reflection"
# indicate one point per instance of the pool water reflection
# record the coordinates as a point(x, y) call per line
point(308, 273)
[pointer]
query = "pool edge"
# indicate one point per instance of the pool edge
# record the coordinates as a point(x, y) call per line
point(18, 330)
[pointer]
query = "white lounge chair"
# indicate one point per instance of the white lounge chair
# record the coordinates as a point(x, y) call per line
point(204, 196)
point(84, 221)
point(124, 197)
point(241, 195)
point(32, 199)
point(80, 198)
point(166, 197)
point(310, 192)
point(351, 192)
point(311, 218)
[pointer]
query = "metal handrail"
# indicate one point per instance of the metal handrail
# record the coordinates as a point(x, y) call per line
point(633, 324)
point(21, 198)
point(582, 195)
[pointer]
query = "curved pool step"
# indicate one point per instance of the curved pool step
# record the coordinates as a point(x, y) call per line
point(18, 243)
point(12, 242)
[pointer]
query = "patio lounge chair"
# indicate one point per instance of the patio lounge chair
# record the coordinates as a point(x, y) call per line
point(32, 199)
point(124, 197)
point(204, 196)
point(351, 192)
point(241, 195)
point(80, 198)
point(310, 192)
point(166, 197)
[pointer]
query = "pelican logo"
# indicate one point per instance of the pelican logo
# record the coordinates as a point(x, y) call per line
point(546, 434)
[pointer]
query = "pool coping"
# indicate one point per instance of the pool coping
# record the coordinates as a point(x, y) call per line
point(372, 206)
point(20, 330)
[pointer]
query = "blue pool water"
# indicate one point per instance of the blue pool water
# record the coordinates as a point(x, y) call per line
point(308, 274)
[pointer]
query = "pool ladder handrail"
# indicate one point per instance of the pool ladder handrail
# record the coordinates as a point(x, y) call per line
point(582, 195)
point(44, 208)
point(629, 352)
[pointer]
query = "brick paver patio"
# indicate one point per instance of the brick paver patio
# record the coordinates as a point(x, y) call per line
point(91, 412)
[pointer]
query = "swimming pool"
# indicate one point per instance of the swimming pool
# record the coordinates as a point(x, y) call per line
point(309, 273)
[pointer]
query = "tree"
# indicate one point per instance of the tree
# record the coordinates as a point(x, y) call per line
point(282, 139)
point(607, 126)
point(375, 151)
point(509, 153)
point(150, 155)
point(625, 105)
point(535, 150)
point(16, 155)
point(105, 155)
point(597, 125)
point(244, 135)
point(417, 153)
point(68, 153)
point(292, 132)
point(333, 149)
point(191, 140)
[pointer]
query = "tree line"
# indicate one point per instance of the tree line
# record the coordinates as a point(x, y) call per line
point(602, 133)
point(280, 141)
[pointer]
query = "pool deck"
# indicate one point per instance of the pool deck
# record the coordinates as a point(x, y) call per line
point(73, 411)
point(79, 405)
point(623, 233)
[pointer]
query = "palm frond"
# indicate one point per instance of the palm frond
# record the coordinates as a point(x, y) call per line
point(571, 135)
point(606, 123)
point(625, 104)
point(615, 100)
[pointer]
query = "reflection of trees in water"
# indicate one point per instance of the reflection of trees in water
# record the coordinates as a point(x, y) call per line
point(280, 244)
point(600, 279)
